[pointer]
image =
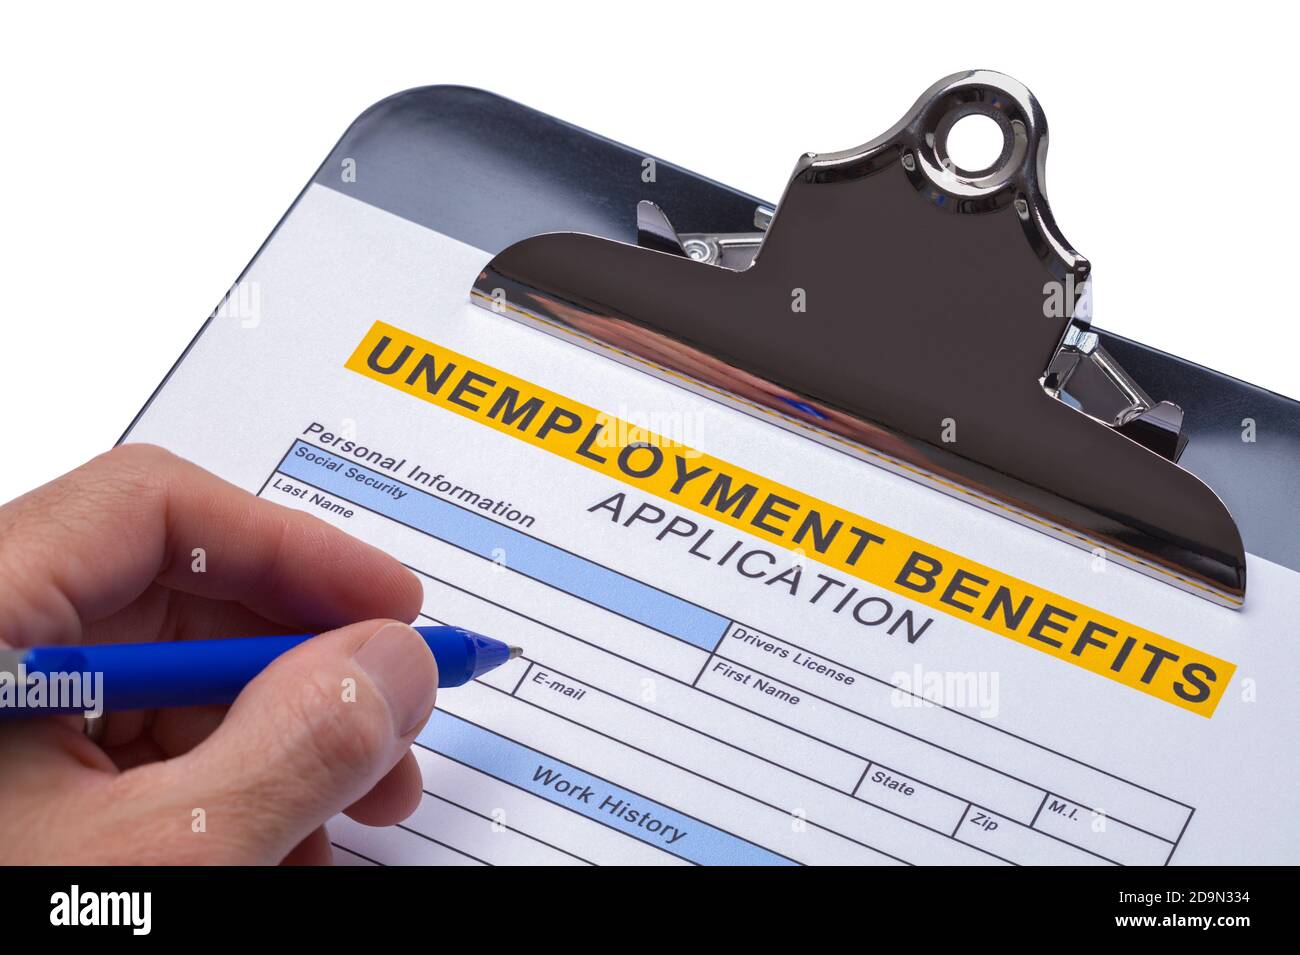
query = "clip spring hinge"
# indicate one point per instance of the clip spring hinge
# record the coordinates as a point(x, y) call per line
point(1082, 374)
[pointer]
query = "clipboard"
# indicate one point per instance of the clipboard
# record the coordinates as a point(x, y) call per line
point(1095, 440)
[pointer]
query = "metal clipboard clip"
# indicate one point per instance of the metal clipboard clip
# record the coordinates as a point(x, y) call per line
point(928, 318)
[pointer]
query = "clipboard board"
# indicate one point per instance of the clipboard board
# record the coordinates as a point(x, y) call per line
point(565, 232)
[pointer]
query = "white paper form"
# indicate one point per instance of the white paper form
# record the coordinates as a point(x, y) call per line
point(679, 700)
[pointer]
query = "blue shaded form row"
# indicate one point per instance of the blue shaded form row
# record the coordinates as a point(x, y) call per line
point(464, 528)
point(564, 785)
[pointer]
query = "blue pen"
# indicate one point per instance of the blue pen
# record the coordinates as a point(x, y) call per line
point(146, 676)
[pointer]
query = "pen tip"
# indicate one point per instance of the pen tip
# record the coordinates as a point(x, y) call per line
point(516, 652)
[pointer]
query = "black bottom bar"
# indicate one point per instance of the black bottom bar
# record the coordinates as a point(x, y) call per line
point(813, 906)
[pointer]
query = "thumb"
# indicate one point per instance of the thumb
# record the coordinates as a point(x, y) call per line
point(312, 734)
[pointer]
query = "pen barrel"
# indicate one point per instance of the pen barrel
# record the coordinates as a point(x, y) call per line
point(145, 676)
point(132, 676)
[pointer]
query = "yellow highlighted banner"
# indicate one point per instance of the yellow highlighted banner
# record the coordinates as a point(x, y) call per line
point(882, 556)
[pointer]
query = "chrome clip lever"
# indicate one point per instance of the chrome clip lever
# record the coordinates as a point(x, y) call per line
point(923, 284)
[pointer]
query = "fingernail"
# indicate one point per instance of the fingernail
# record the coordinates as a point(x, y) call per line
point(396, 659)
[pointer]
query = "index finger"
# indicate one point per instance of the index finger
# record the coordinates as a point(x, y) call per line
point(86, 544)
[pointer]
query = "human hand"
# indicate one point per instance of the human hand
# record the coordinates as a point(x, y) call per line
point(107, 553)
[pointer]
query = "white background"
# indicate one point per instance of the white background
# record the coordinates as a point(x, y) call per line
point(148, 150)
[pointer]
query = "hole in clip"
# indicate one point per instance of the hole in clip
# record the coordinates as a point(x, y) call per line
point(974, 143)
